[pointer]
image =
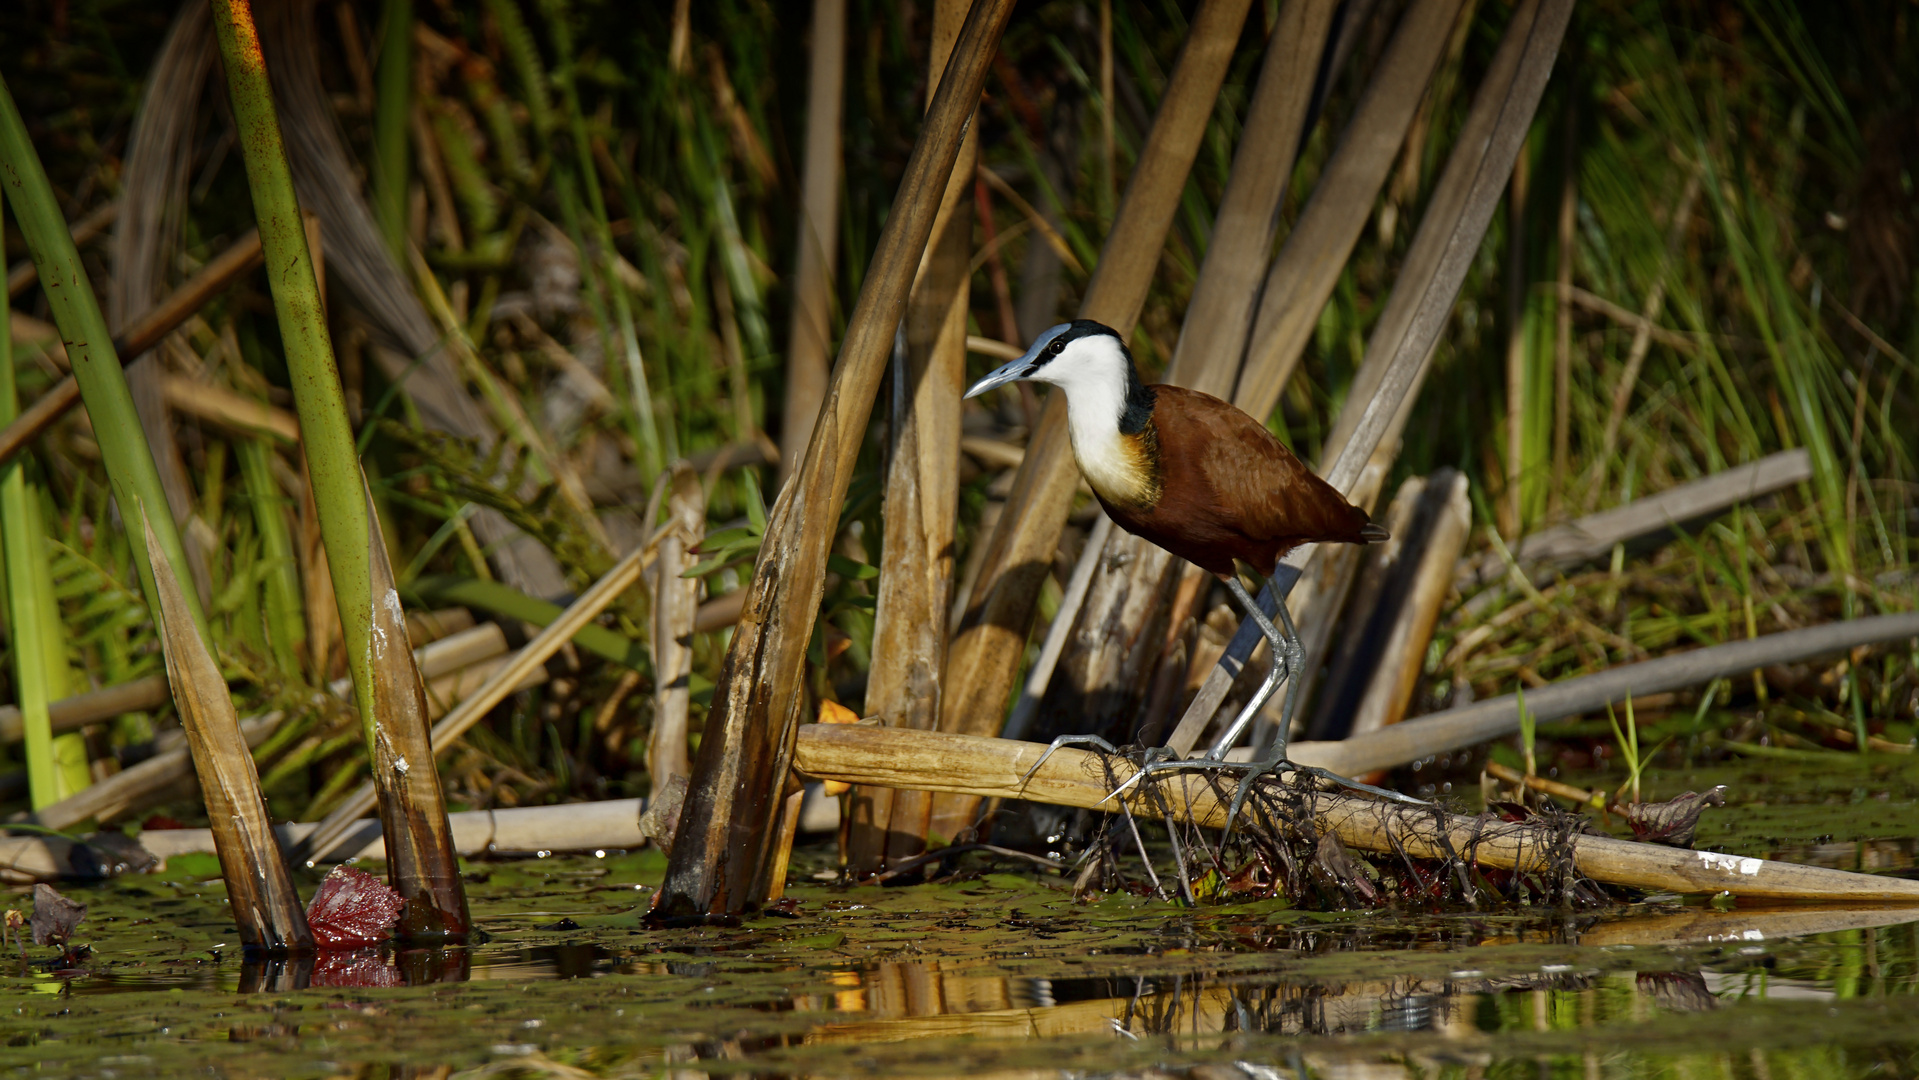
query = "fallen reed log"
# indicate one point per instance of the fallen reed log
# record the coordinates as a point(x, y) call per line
point(595, 826)
point(995, 768)
point(1493, 718)
point(142, 334)
point(1642, 521)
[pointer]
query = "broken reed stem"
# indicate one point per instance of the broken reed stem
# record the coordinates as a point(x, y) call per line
point(262, 899)
point(996, 768)
point(387, 686)
point(676, 602)
point(264, 904)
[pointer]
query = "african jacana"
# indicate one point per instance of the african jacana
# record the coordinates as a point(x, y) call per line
point(1194, 475)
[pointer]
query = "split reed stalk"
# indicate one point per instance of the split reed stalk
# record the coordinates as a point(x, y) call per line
point(922, 494)
point(387, 688)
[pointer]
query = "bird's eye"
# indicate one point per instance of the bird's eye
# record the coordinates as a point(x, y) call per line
point(1057, 348)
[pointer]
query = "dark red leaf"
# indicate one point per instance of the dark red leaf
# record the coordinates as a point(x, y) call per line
point(352, 908)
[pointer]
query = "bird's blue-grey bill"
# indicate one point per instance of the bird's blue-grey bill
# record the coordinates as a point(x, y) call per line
point(1005, 373)
point(1026, 365)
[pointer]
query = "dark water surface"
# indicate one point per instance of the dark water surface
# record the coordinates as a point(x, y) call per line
point(1007, 976)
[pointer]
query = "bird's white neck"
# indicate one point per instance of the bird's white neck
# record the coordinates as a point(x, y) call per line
point(1098, 378)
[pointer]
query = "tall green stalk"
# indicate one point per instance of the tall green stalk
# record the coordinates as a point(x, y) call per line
point(70, 768)
point(390, 115)
point(387, 688)
point(259, 891)
point(23, 609)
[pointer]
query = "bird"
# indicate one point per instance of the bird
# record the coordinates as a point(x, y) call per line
point(1195, 475)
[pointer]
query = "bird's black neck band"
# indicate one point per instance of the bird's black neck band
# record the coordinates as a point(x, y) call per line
point(1139, 400)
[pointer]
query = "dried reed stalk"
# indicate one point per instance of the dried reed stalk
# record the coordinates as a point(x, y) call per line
point(817, 247)
point(1365, 435)
point(721, 854)
point(922, 497)
point(1315, 253)
point(676, 601)
point(1469, 725)
point(983, 659)
point(1394, 607)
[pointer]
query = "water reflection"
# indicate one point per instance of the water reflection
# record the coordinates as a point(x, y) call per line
point(1420, 997)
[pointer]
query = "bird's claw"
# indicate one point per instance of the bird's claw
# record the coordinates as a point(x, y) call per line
point(1068, 740)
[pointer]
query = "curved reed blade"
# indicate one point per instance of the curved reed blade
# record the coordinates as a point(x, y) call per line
point(265, 907)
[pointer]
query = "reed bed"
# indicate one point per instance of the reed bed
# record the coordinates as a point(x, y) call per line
point(1708, 258)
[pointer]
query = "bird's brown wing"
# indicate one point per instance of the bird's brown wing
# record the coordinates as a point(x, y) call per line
point(1271, 496)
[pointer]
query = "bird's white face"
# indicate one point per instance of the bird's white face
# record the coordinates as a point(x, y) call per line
point(1085, 360)
point(1089, 363)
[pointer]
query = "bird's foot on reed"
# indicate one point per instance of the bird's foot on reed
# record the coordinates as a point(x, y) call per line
point(1276, 767)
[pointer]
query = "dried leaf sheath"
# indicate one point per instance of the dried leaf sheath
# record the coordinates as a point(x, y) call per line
point(265, 907)
point(720, 855)
point(422, 865)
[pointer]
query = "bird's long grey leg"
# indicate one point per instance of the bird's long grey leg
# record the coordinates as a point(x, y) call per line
point(1283, 660)
point(1295, 661)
